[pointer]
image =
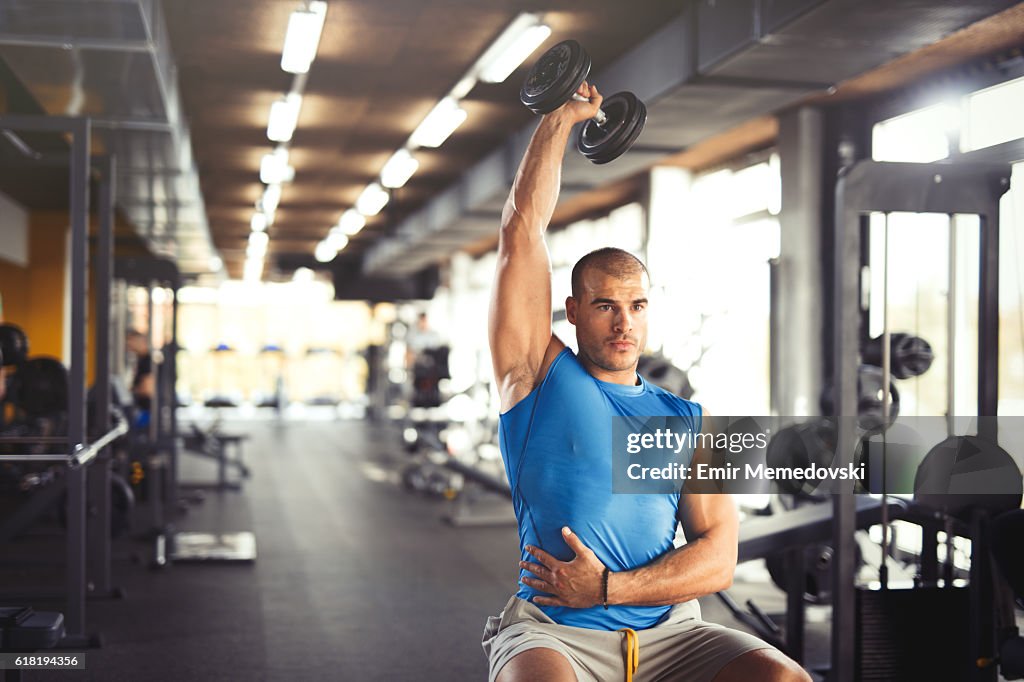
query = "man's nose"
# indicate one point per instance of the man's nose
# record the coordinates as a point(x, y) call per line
point(623, 322)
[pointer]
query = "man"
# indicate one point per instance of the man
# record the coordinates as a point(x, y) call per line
point(143, 381)
point(599, 576)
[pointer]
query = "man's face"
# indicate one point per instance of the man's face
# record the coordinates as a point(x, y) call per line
point(137, 344)
point(610, 318)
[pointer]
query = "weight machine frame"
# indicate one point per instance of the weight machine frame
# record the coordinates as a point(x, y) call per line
point(870, 186)
point(81, 457)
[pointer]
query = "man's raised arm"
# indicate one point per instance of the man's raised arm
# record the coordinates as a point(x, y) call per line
point(519, 329)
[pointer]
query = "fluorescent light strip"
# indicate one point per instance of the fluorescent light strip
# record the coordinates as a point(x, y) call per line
point(398, 169)
point(271, 198)
point(284, 116)
point(524, 35)
point(274, 168)
point(257, 245)
point(336, 239)
point(351, 221)
point(303, 37)
point(439, 124)
point(324, 253)
point(372, 200)
point(258, 223)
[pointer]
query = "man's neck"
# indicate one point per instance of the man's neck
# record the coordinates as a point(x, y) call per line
point(623, 377)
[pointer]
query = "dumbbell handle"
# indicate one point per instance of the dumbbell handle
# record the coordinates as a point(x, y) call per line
point(601, 117)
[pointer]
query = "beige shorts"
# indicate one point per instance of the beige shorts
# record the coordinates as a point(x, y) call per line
point(681, 647)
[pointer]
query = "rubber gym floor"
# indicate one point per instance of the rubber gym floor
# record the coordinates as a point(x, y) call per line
point(356, 579)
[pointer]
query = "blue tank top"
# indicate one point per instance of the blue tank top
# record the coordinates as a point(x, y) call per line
point(556, 445)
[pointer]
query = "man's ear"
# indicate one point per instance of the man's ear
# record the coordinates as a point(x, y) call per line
point(570, 310)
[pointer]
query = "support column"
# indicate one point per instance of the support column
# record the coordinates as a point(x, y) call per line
point(798, 297)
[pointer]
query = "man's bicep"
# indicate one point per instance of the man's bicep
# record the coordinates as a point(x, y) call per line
point(520, 310)
point(702, 514)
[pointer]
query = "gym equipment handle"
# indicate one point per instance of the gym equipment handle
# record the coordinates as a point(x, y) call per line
point(601, 117)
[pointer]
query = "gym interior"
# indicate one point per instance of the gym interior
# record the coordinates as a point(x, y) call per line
point(249, 421)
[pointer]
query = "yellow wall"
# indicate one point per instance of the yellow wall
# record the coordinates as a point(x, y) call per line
point(44, 322)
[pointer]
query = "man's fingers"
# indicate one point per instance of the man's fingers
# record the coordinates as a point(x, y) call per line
point(536, 569)
point(540, 585)
point(542, 556)
point(574, 542)
point(549, 601)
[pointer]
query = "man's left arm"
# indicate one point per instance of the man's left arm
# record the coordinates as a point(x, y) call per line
point(704, 565)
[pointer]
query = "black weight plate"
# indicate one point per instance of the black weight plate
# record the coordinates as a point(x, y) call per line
point(555, 77)
point(965, 473)
point(626, 116)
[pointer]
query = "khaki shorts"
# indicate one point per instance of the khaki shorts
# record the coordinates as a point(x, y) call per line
point(681, 647)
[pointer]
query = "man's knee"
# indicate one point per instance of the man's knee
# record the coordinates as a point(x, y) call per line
point(537, 664)
point(763, 664)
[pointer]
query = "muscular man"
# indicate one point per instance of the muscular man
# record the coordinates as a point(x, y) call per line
point(599, 574)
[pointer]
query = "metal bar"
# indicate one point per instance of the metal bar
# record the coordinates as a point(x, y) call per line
point(31, 440)
point(100, 474)
point(86, 454)
point(951, 313)
point(48, 457)
point(74, 616)
point(139, 124)
point(988, 313)
point(883, 569)
point(172, 484)
point(846, 322)
point(65, 43)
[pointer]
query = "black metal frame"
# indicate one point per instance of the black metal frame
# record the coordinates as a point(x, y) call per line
point(81, 455)
point(869, 186)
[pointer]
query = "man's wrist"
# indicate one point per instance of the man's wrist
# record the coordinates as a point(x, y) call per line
point(558, 121)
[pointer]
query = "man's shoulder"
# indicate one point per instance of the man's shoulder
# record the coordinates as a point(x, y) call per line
point(683, 406)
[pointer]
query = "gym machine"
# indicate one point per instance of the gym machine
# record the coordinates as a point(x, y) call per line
point(86, 466)
point(163, 443)
point(957, 188)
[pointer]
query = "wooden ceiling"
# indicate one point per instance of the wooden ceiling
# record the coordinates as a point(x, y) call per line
point(380, 68)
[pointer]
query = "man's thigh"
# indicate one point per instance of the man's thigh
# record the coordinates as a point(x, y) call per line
point(537, 665)
point(695, 652)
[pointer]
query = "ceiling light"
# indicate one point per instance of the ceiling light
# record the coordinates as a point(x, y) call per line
point(300, 43)
point(351, 221)
point(303, 275)
point(398, 169)
point(519, 40)
point(253, 269)
point(336, 239)
point(258, 223)
point(284, 115)
point(372, 200)
point(440, 123)
point(271, 198)
point(215, 263)
point(274, 167)
point(324, 253)
point(257, 244)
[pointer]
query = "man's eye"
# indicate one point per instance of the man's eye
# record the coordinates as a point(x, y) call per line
point(604, 307)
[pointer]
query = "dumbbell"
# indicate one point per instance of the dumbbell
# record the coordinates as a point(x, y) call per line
point(554, 80)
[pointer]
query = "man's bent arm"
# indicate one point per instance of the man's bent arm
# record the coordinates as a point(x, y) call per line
point(520, 310)
point(704, 565)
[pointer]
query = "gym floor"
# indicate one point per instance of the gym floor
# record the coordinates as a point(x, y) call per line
point(356, 579)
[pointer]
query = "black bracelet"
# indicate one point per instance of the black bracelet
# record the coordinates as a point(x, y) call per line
point(604, 588)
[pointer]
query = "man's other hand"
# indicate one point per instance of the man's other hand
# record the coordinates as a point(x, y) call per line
point(576, 583)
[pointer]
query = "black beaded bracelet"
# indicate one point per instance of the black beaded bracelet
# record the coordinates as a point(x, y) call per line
point(604, 588)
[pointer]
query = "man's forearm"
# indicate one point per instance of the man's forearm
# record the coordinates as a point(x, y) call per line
point(534, 194)
point(696, 569)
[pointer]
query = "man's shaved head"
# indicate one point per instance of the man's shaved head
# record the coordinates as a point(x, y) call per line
point(611, 261)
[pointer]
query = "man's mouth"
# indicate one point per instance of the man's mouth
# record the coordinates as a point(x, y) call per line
point(621, 345)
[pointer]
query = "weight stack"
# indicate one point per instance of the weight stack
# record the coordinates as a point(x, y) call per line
point(913, 634)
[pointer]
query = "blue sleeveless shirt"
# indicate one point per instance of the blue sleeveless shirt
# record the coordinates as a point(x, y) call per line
point(556, 444)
